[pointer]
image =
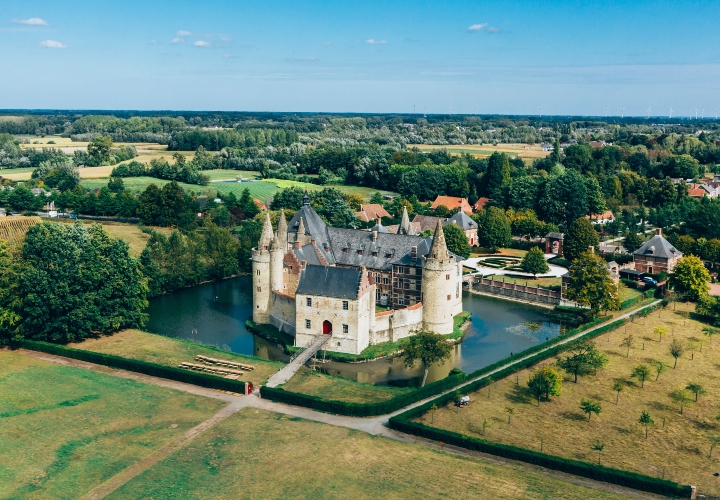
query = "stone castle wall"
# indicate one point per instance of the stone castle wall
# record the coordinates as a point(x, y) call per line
point(391, 326)
point(282, 312)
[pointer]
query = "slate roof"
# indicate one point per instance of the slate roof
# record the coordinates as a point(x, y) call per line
point(326, 281)
point(555, 236)
point(363, 251)
point(315, 227)
point(462, 220)
point(658, 246)
point(307, 253)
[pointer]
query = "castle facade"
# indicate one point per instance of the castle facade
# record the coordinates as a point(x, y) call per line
point(311, 279)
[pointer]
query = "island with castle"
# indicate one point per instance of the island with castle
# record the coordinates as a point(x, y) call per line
point(311, 279)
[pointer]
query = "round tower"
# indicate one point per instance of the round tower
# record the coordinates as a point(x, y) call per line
point(438, 285)
point(261, 274)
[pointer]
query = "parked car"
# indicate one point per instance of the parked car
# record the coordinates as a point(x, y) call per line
point(649, 280)
point(463, 401)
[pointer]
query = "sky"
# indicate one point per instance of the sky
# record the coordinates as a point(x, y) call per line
point(559, 57)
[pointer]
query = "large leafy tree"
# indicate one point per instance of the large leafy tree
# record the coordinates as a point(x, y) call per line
point(22, 199)
point(9, 303)
point(582, 359)
point(534, 262)
point(590, 284)
point(579, 237)
point(76, 282)
point(426, 347)
point(494, 229)
point(632, 241)
point(457, 241)
point(497, 174)
point(99, 151)
point(690, 277)
point(58, 172)
point(563, 197)
point(545, 382)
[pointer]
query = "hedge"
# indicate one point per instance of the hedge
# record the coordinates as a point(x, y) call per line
point(560, 261)
point(133, 365)
point(526, 245)
point(576, 467)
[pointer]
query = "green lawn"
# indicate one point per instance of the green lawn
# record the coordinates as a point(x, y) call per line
point(166, 351)
point(260, 454)
point(5, 171)
point(65, 430)
point(339, 389)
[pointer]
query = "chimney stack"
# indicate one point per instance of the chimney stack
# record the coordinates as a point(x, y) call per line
point(658, 231)
point(374, 236)
point(591, 249)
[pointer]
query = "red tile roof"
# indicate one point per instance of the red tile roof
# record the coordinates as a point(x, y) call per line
point(452, 203)
point(372, 211)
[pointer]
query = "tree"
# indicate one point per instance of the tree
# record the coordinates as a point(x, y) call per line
point(676, 350)
point(21, 199)
point(509, 410)
point(149, 203)
point(76, 282)
point(494, 229)
point(545, 382)
point(497, 174)
point(641, 372)
point(646, 420)
point(690, 277)
point(456, 240)
point(584, 358)
point(590, 284)
point(632, 241)
point(99, 151)
point(681, 397)
point(618, 387)
point(247, 205)
point(58, 172)
point(660, 331)
point(590, 407)
point(579, 238)
point(659, 368)
point(116, 184)
point(426, 347)
point(9, 303)
point(628, 342)
point(714, 441)
point(432, 410)
point(696, 389)
point(598, 446)
point(534, 262)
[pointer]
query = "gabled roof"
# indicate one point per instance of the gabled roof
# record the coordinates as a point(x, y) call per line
point(462, 220)
point(452, 203)
point(372, 211)
point(555, 236)
point(480, 203)
point(327, 281)
point(425, 222)
point(658, 246)
point(352, 247)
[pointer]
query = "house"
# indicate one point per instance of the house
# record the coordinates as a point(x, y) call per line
point(697, 192)
point(452, 203)
point(554, 243)
point(656, 255)
point(371, 211)
point(598, 144)
point(547, 147)
point(480, 204)
point(603, 218)
point(469, 226)
point(39, 191)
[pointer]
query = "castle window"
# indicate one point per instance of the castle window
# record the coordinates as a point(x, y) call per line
point(345, 305)
point(401, 300)
point(345, 328)
point(457, 291)
point(359, 252)
point(345, 250)
point(307, 324)
point(447, 277)
point(258, 272)
point(401, 270)
point(259, 289)
point(448, 297)
point(386, 281)
point(375, 254)
point(401, 282)
point(377, 295)
point(308, 302)
point(377, 278)
point(388, 255)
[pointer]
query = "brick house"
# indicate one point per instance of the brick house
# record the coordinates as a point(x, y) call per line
point(656, 255)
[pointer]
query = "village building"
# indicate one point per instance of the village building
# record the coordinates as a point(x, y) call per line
point(604, 218)
point(371, 211)
point(311, 279)
point(656, 255)
point(480, 204)
point(452, 203)
point(554, 243)
point(428, 223)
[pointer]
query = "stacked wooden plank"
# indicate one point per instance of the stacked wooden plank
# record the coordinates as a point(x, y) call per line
point(222, 362)
point(224, 372)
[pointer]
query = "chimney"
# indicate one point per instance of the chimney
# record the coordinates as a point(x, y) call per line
point(374, 235)
point(303, 264)
point(658, 231)
point(296, 244)
point(591, 249)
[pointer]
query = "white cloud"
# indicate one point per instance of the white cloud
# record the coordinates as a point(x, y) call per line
point(200, 43)
point(52, 44)
point(183, 33)
point(376, 42)
point(326, 43)
point(33, 21)
point(493, 29)
point(177, 40)
point(477, 27)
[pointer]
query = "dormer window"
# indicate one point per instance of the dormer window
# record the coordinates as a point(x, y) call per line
point(345, 250)
point(360, 252)
point(374, 254)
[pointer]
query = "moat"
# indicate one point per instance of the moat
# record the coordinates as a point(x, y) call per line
point(215, 314)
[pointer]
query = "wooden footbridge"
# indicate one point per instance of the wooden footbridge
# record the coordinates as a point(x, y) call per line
point(299, 358)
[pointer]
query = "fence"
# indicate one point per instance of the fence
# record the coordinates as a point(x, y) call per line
point(520, 292)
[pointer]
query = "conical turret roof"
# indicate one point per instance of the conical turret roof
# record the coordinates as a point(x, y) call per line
point(439, 250)
point(266, 237)
point(282, 230)
point(405, 227)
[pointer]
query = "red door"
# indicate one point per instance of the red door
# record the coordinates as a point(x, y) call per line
point(327, 328)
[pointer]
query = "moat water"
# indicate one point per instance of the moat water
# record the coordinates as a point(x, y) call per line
point(215, 314)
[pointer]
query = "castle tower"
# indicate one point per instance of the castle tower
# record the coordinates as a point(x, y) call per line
point(261, 274)
point(282, 230)
point(439, 282)
point(277, 253)
point(405, 227)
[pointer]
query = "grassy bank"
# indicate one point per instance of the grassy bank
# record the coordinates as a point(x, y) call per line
point(255, 454)
point(143, 346)
point(65, 430)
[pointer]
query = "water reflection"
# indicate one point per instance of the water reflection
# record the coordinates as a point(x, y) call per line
point(215, 314)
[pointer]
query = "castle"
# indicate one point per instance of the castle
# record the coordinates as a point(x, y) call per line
point(311, 279)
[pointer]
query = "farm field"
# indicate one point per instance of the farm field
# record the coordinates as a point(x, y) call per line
point(65, 430)
point(153, 348)
point(524, 151)
point(225, 462)
point(678, 445)
point(336, 388)
point(130, 233)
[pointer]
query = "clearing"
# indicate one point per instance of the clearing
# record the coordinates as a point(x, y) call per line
point(65, 430)
point(524, 151)
point(678, 446)
point(328, 387)
point(134, 344)
point(261, 454)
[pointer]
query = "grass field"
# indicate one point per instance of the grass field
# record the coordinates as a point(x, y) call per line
point(678, 445)
point(65, 430)
point(144, 346)
point(336, 388)
point(524, 151)
point(130, 233)
point(260, 454)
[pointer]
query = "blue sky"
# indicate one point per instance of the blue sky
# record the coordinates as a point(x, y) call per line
point(516, 57)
